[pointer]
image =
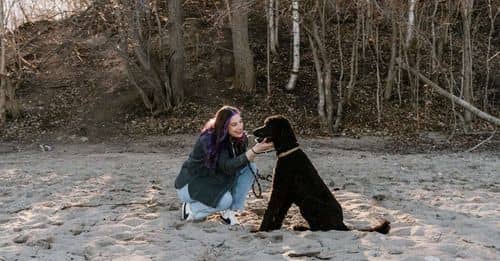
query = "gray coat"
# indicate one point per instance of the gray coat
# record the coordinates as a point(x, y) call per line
point(208, 185)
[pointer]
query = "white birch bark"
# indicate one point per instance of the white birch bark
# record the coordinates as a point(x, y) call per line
point(296, 45)
point(273, 25)
point(276, 22)
point(411, 21)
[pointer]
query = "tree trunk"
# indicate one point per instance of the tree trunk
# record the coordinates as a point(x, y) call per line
point(391, 70)
point(467, 6)
point(354, 59)
point(411, 21)
point(244, 78)
point(3, 76)
point(434, 56)
point(177, 60)
point(340, 103)
point(492, 18)
point(296, 45)
point(321, 88)
point(273, 17)
point(377, 63)
point(324, 75)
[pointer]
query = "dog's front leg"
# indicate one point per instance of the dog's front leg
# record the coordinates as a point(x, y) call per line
point(277, 208)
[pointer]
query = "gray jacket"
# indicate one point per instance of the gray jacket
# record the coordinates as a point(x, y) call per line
point(209, 185)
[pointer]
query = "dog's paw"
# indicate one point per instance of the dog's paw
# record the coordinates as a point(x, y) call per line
point(253, 229)
point(300, 228)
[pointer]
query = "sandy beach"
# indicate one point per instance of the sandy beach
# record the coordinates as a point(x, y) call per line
point(117, 202)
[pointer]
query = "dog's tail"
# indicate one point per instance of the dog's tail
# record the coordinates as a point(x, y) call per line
point(383, 228)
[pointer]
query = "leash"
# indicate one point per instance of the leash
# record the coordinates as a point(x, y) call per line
point(258, 176)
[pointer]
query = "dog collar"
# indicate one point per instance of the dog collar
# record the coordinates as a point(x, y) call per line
point(288, 152)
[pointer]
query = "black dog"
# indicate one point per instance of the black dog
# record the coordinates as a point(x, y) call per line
point(297, 181)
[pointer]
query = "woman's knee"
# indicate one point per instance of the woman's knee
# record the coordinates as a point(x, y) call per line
point(226, 201)
point(183, 194)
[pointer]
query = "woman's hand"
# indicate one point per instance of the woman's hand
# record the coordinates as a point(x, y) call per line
point(263, 146)
point(259, 148)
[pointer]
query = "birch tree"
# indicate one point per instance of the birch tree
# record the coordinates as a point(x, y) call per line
point(411, 21)
point(296, 45)
point(273, 20)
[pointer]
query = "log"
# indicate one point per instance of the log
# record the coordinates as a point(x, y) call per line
point(479, 113)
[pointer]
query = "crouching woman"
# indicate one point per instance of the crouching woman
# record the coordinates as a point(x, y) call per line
point(218, 173)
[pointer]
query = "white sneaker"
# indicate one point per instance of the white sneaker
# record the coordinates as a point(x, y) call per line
point(186, 212)
point(229, 218)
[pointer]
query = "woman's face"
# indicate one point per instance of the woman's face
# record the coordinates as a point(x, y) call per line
point(235, 127)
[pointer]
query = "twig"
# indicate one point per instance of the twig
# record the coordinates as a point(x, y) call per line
point(99, 205)
point(19, 210)
point(493, 56)
point(305, 254)
point(482, 142)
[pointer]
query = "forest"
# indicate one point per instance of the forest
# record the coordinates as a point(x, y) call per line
point(333, 67)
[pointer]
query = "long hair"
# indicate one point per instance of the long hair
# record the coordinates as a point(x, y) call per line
point(216, 130)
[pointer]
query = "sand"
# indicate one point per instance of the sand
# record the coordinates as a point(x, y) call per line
point(117, 202)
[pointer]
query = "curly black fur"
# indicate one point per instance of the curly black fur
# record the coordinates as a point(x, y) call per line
point(297, 181)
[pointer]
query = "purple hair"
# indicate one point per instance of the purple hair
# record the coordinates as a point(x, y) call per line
point(216, 131)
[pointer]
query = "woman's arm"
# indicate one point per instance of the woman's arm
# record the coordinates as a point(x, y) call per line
point(229, 165)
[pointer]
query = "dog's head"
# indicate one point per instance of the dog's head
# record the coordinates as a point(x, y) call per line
point(277, 129)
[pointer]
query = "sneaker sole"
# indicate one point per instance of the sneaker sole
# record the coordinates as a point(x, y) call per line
point(184, 214)
point(225, 220)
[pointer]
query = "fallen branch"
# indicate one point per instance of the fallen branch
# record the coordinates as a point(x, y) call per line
point(479, 113)
point(482, 142)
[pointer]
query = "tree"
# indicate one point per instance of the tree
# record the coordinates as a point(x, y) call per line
point(322, 65)
point(177, 61)
point(154, 68)
point(244, 78)
point(467, 90)
point(411, 21)
point(3, 76)
point(272, 20)
point(394, 39)
point(296, 45)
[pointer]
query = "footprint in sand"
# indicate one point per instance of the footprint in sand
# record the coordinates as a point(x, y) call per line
point(123, 236)
point(21, 239)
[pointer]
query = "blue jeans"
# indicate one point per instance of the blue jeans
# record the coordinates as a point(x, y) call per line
point(233, 199)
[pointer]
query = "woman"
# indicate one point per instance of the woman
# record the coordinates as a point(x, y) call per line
point(218, 174)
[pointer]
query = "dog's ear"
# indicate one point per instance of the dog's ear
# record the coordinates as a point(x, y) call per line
point(287, 131)
point(282, 133)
